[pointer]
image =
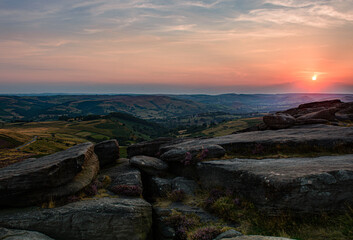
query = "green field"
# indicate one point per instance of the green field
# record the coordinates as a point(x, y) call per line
point(54, 136)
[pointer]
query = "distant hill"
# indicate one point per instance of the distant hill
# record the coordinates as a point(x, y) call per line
point(249, 103)
point(53, 136)
point(156, 107)
point(50, 107)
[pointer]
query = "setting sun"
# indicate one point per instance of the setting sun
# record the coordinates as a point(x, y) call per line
point(314, 78)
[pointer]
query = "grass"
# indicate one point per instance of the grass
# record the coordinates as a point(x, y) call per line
point(247, 219)
point(229, 127)
point(252, 222)
point(54, 136)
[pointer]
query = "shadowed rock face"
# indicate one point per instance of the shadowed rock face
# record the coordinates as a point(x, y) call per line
point(307, 185)
point(148, 148)
point(105, 218)
point(107, 152)
point(13, 234)
point(59, 174)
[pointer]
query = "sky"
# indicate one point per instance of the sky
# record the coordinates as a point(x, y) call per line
point(176, 46)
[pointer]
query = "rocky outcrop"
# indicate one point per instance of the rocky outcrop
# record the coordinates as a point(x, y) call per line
point(124, 177)
point(279, 120)
point(36, 180)
point(191, 152)
point(14, 234)
point(311, 113)
point(303, 185)
point(107, 152)
point(298, 139)
point(159, 187)
point(104, 218)
point(165, 232)
point(148, 148)
point(149, 165)
point(186, 185)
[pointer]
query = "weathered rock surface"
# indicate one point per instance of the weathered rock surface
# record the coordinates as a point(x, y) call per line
point(149, 148)
point(228, 234)
point(14, 234)
point(279, 120)
point(254, 237)
point(105, 218)
point(310, 113)
point(38, 177)
point(90, 169)
point(107, 152)
point(186, 185)
point(159, 187)
point(177, 153)
point(149, 165)
point(303, 185)
point(163, 230)
point(301, 139)
point(122, 174)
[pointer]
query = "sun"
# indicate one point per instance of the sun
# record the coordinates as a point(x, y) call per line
point(314, 78)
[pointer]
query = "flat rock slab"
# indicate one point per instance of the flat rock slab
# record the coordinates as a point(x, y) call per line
point(192, 152)
point(149, 165)
point(43, 173)
point(104, 218)
point(300, 138)
point(256, 238)
point(14, 234)
point(308, 185)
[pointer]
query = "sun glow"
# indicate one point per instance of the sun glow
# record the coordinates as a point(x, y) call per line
point(314, 78)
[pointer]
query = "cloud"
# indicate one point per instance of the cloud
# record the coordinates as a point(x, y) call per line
point(307, 13)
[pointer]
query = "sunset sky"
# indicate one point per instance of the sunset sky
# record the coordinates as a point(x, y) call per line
point(176, 46)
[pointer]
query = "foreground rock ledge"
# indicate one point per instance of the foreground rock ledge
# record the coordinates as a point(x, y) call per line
point(301, 139)
point(31, 180)
point(303, 185)
point(105, 218)
point(14, 234)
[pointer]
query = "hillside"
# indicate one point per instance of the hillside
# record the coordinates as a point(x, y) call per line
point(53, 136)
point(51, 107)
point(249, 103)
point(178, 109)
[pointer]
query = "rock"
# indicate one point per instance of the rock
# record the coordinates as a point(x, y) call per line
point(149, 165)
point(345, 113)
point(187, 186)
point(279, 120)
point(148, 148)
point(184, 209)
point(302, 185)
point(311, 121)
point(123, 174)
point(254, 237)
point(228, 234)
point(104, 218)
point(324, 104)
point(90, 169)
point(307, 138)
point(107, 152)
point(12, 234)
point(163, 231)
point(160, 187)
point(327, 114)
point(40, 176)
point(196, 152)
